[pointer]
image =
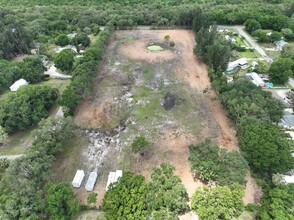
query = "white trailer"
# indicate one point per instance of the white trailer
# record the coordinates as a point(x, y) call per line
point(91, 181)
point(77, 181)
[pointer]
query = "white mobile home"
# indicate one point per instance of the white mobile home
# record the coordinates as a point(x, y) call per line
point(91, 181)
point(19, 83)
point(243, 63)
point(77, 181)
point(256, 79)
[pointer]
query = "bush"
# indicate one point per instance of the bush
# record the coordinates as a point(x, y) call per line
point(211, 163)
point(140, 145)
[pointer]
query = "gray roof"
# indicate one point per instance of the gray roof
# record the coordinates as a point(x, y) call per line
point(91, 181)
point(289, 119)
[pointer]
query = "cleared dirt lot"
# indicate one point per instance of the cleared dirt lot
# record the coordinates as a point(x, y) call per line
point(128, 101)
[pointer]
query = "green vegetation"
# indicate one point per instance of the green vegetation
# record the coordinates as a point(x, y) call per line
point(281, 70)
point(126, 199)
point(140, 145)
point(32, 171)
point(132, 198)
point(92, 198)
point(64, 60)
point(61, 201)
point(273, 154)
point(33, 104)
point(155, 48)
point(220, 202)
point(211, 163)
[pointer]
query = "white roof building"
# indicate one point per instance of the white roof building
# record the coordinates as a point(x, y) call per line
point(91, 181)
point(288, 179)
point(237, 63)
point(19, 83)
point(77, 181)
point(113, 177)
point(256, 79)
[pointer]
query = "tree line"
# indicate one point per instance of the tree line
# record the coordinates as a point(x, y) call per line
point(23, 194)
point(264, 144)
point(82, 77)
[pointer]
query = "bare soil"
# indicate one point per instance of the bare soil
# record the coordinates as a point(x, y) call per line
point(128, 90)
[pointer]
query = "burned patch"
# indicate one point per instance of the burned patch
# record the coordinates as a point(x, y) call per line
point(169, 101)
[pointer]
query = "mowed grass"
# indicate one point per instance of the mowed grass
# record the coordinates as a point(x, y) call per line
point(18, 142)
point(69, 160)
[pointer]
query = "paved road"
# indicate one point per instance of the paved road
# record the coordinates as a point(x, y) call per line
point(247, 37)
point(11, 157)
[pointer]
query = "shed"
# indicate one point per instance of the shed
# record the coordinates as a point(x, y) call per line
point(19, 83)
point(77, 181)
point(288, 179)
point(118, 174)
point(91, 181)
point(111, 177)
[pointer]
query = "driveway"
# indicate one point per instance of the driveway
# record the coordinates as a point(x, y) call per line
point(241, 32)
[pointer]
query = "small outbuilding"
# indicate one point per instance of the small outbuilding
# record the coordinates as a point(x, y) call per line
point(288, 179)
point(91, 181)
point(77, 181)
point(19, 83)
point(113, 177)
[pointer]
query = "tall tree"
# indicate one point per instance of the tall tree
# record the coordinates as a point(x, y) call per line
point(64, 60)
point(218, 202)
point(31, 69)
point(166, 191)
point(281, 70)
point(126, 198)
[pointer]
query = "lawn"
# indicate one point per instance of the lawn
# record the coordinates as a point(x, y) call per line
point(18, 142)
point(249, 54)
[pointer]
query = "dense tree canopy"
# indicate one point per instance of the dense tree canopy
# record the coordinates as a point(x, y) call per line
point(278, 203)
point(61, 201)
point(243, 98)
point(267, 148)
point(64, 60)
point(32, 104)
point(126, 199)
point(281, 70)
point(211, 163)
point(166, 193)
point(220, 202)
point(21, 190)
point(31, 69)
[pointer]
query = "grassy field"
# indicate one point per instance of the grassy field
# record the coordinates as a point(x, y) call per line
point(249, 54)
point(18, 142)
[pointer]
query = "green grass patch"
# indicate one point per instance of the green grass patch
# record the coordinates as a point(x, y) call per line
point(59, 84)
point(18, 142)
point(147, 74)
point(240, 41)
point(69, 160)
point(249, 54)
point(126, 70)
point(155, 48)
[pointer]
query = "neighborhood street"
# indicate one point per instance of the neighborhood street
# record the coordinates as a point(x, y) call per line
point(241, 32)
